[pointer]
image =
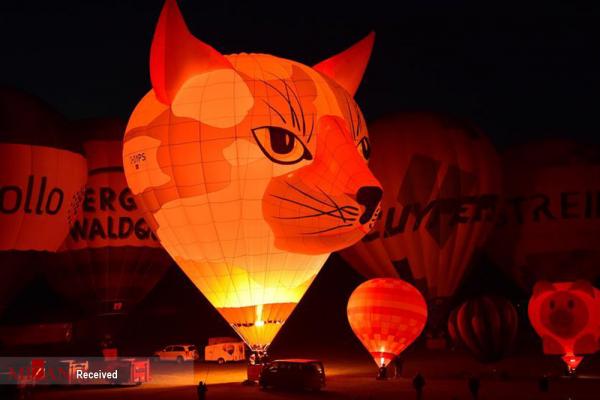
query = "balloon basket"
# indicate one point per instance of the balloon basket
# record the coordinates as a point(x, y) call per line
point(382, 374)
point(572, 361)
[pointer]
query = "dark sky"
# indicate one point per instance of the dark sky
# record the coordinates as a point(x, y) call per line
point(519, 71)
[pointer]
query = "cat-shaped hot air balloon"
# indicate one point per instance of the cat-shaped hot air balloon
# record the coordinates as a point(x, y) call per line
point(252, 169)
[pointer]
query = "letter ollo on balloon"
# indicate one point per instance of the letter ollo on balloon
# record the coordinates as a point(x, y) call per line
point(486, 325)
point(387, 315)
point(441, 180)
point(566, 316)
point(41, 179)
point(110, 259)
point(251, 170)
point(551, 227)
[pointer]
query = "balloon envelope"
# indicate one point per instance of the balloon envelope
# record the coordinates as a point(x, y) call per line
point(387, 315)
point(566, 316)
point(551, 227)
point(110, 259)
point(487, 326)
point(441, 182)
point(41, 179)
point(251, 170)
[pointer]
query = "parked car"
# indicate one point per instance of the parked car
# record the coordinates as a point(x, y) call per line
point(225, 352)
point(293, 374)
point(178, 353)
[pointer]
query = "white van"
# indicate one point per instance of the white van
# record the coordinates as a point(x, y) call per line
point(223, 352)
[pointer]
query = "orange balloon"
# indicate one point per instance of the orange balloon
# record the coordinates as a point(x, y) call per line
point(441, 181)
point(566, 315)
point(251, 169)
point(41, 180)
point(387, 315)
point(111, 259)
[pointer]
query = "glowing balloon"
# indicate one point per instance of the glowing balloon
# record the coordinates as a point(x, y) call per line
point(551, 230)
point(487, 326)
point(251, 169)
point(41, 178)
point(566, 316)
point(111, 259)
point(441, 182)
point(387, 315)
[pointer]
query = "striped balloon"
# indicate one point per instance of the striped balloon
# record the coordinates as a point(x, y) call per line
point(487, 326)
point(387, 315)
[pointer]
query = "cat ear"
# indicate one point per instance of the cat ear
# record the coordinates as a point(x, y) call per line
point(176, 55)
point(347, 68)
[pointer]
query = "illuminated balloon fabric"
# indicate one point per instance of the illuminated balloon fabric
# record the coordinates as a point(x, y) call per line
point(251, 169)
point(566, 315)
point(41, 177)
point(487, 326)
point(551, 230)
point(110, 259)
point(387, 315)
point(441, 180)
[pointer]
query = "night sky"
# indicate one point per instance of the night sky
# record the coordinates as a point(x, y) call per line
point(521, 72)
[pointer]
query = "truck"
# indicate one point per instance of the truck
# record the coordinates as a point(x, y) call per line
point(224, 349)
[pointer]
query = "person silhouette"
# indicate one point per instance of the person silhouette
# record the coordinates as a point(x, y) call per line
point(202, 389)
point(419, 383)
point(544, 384)
point(398, 366)
point(474, 384)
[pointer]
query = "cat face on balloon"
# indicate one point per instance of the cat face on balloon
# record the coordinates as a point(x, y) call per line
point(285, 142)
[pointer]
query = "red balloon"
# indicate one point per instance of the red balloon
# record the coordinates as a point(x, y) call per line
point(387, 315)
point(111, 259)
point(441, 180)
point(487, 326)
point(41, 178)
point(566, 316)
point(551, 227)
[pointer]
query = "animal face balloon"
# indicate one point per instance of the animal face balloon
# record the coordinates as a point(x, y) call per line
point(566, 315)
point(251, 169)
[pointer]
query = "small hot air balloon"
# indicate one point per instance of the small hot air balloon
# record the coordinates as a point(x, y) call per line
point(251, 169)
point(441, 180)
point(551, 227)
point(566, 315)
point(110, 259)
point(41, 179)
point(387, 315)
point(487, 326)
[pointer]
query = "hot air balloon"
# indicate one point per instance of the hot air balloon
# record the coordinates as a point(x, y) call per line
point(566, 315)
point(251, 170)
point(487, 326)
point(110, 259)
point(551, 227)
point(441, 183)
point(41, 178)
point(387, 315)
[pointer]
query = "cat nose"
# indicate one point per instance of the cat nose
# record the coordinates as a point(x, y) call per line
point(369, 197)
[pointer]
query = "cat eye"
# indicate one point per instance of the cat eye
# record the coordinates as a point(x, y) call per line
point(280, 145)
point(364, 146)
